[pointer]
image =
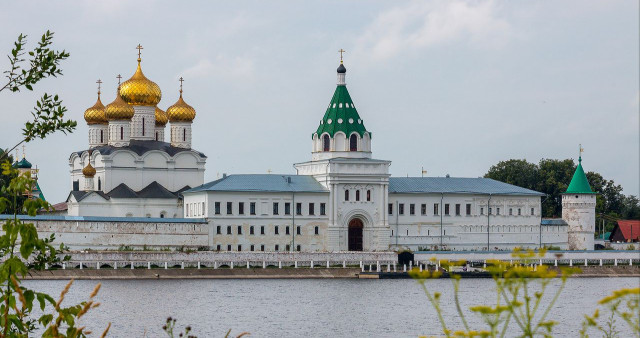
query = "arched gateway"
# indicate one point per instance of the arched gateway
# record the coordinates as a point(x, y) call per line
point(355, 234)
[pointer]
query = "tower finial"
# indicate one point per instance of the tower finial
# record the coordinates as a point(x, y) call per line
point(580, 155)
point(119, 77)
point(23, 152)
point(181, 80)
point(341, 51)
point(99, 82)
point(139, 48)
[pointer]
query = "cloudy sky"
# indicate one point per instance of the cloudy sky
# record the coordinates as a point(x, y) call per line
point(451, 86)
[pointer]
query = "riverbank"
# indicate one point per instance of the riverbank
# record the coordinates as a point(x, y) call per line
point(286, 273)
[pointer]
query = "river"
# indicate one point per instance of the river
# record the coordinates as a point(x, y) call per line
point(297, 308)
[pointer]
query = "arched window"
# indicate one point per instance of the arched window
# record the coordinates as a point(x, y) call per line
point(156, 136)
point(101, 137)
point(326, 142)
point(346, 195)
point(357, 195)
point(368, 195)
point(121, 132)
point(143, 126)
point(99, 184)
point(184, 135)
point(353, 142)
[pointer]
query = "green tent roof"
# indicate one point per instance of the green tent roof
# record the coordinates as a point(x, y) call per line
point(579, 183)
point(23, 164)
point(341, 115)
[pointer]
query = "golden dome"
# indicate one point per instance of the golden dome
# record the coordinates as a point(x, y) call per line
point(118, 109)
point(140, 91)
point(181, 111)
point(161, 117)
point(89, 170)
point(96, 114)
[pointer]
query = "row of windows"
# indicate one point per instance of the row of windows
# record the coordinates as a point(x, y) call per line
point(357, 197)
point(480, 228)
point(194, 209)
point(276, 230)
point(447, 210)
point(276, 208)
point(252, 247)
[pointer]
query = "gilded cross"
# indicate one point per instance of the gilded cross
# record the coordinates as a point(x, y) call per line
point(99, 82)
point(341, 51)
point(23, 154)
point(119, 77)
point(181, 80)
point(139, 48)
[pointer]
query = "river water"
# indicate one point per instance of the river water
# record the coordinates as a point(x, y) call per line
point(305, 308)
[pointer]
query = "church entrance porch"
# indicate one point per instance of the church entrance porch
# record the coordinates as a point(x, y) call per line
point(355, 234)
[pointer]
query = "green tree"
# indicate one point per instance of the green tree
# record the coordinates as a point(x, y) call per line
point(555, 176)
point(20, 247)
point(517, 172)
point(4, 183)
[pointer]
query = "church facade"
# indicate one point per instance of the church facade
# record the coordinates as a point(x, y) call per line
point(342, 199)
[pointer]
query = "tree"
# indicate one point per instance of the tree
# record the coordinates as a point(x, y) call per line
point(4, 183)
point(20, 247)
point(517, 172)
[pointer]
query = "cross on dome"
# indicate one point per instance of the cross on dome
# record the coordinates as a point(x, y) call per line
point(119, 77)
point(139, 48)
point(181, 81)
point(99, 82)
point(341, 51)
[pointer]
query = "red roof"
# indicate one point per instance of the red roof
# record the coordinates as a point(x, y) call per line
point(629, 228)
point(60, 206)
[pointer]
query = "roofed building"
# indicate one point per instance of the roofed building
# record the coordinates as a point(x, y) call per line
point(625, 231)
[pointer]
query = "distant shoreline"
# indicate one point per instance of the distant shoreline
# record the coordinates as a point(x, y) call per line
point(275, 273)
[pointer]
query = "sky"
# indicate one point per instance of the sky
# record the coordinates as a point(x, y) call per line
point(451, 86)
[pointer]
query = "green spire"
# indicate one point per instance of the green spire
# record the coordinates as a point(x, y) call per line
point(579, 183)
point(341, 115)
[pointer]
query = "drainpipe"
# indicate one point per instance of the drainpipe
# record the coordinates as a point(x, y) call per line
point(397, 227)
point(293, 221)
point(488, 216)
point(441, 227)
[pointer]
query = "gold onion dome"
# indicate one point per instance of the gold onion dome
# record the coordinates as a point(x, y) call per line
point(161, 117)
point(96, 114)
point(118, 109)
point(140, 91)
point(181, 111)
point(89, 170)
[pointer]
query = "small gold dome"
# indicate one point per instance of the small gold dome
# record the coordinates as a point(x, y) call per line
point(89, 170)
point(161, 117)
point(181, 111)
point(119, 110)
point(96, 114)
point(140, 91)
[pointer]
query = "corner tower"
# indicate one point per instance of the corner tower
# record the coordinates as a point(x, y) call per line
point(579, 210)
point(341, 132)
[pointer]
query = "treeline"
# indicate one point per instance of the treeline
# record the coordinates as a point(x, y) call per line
point(552, 178)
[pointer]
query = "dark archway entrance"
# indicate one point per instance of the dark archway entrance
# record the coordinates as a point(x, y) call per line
point(355, 235)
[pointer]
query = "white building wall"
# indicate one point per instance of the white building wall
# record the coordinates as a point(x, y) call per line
point(125, 207)
point(143, 123)
point(579, 211)
point(98, 135)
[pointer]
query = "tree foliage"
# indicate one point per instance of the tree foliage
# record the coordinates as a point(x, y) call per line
point(552, 178)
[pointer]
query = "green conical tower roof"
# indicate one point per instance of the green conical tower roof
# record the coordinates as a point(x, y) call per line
point(579, 183)
point(341, 115)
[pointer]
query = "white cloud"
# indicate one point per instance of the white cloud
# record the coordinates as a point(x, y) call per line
point(240, 69)
point(424, 24)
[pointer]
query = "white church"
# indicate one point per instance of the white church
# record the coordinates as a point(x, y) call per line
point(342, 199)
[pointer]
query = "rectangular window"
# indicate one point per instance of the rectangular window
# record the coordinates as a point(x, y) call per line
point(436, 209)
point(346, 195)
point(317, 230)
point(251, 230)
point(357, 195)
point(531, 211)
point(423, 209)
point(412, 209)
point(298, 208)
point(323, 209)
point(287, 208)
point(261, 247)
point(468, 209)
point(510, 212)
point(218, 230)
point(239, 247)
point(312, 209)
point(368, 195)
point(252, 247)
point(519, 212)
point(277, 247)
point(457, 209)
point(287, 247)
point(286, 230)
point(390, 208)
point(298, 230)
point(446, 209)
point(481, 211)
point(262, 229)
point(228, 230)
point(217, 208)
point(239, 229)
point(276, 230)
point(229, 208)
point(401, 209)
point(241, 208)
point(275, 208)
point(218, 247)
point(229, 247)
point(490, 209)
point(498, 211)
point(252, 208)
